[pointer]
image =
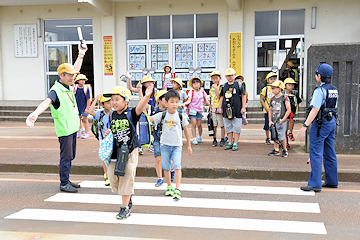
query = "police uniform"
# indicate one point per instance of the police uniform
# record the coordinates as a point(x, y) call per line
point(322, 136)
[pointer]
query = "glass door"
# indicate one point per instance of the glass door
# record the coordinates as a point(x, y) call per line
point(55, 55)
point(267, 57)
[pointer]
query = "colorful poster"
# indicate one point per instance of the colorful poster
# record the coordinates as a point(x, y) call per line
point(108, 55)
point(235, 52)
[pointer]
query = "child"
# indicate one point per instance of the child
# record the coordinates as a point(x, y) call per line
point(232, 106)
point(294, 94)
point(279, 111)
point(103, 117)
point(172, 123)
point(82, 95)
point(196, 108)
point(168, 75)
point(177, 86)
point(265, 96)
point(122, 122)
point(160, 99)
point(215, 105)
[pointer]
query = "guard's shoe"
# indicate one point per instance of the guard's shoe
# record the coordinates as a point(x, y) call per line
point(229, 146)
point(199, 139)
point(285, 153)
point(235, 147)
point(169, 191)
point(195, 141)
point(291, 136)
point(310, 188)
point(329, 186)
point(267, 141)
point(215, 143)
point(274, 153)
point(74, 185)
point(160, 182)
point(222, 142)
point(172, 173)
point(124, 212)
point(85, 136)
point(68, 188)
point(177, 194)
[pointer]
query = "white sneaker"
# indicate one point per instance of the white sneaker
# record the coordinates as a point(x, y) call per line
point(199, 139)
point(195, 141)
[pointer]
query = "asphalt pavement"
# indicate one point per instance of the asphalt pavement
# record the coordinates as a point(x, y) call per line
point(36, 150)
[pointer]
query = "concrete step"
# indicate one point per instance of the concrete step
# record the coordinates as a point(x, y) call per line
point(22, 113)
point(23, 119)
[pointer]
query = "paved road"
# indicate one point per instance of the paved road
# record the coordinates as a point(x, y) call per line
point(32, 207)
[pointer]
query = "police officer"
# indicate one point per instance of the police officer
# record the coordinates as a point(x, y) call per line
point(322, 133)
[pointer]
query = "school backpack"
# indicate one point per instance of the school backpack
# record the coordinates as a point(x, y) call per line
point(266, 93)
point(98, 125)
point(144, 130)
point(293, 104)
point(159, 129)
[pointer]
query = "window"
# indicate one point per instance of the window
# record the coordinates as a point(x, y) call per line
point(159, 27)
point(292, 22)
point(66, 29)
point(136, 28)
point(206, 25)
point(183, 26)
point(266, 23)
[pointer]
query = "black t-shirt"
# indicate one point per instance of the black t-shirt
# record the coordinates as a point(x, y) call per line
point(232, 94)
point(123, 130)
point(53, 96)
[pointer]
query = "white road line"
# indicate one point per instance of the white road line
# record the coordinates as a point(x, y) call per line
point(190, 202)
point(173, 221)
point(212, 188)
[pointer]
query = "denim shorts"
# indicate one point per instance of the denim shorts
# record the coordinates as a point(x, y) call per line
point(157, 150)
point(198, 116)
point(168, 153)
point(82, 113)
point(266, 125)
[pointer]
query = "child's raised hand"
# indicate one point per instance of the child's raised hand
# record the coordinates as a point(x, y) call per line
point(128, 75)
point(149, 90)
point(139, 86)
point(214, 85)
point(98, 97)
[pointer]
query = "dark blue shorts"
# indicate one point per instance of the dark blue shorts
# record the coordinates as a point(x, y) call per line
point(266, 125)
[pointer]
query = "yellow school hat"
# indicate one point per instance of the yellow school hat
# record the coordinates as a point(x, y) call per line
point(178, 80)
point(289, 80)
point(147, 79)
point(68, 68)
point(270, 74)
point(278, 83)
point(290, 63)
point(191, 80)
point(230, 71)
point(214, 73)
point(122, 91)
point(159, 94)
point(80, 77)
point(167, 66)
point(104, 99)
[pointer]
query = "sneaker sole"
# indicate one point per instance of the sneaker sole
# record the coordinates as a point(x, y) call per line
point(120, 218)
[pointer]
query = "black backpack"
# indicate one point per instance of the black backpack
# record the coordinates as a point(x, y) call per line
point(98, 125)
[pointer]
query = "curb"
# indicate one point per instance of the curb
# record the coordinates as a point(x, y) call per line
point(213, 173)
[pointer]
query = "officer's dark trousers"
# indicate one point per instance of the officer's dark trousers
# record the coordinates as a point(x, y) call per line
point(67, 154)
point(323, 149)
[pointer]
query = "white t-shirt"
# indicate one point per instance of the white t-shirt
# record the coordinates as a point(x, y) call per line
point(171, 129)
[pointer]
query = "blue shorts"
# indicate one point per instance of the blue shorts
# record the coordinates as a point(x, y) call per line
point(82, 113)
point(157, 149)
point(168, 153)
point(266, 126)
point(198, 116)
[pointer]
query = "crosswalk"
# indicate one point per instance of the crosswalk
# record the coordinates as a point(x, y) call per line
point(169, 220)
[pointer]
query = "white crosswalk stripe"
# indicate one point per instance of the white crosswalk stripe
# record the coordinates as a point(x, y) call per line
point(167, 220)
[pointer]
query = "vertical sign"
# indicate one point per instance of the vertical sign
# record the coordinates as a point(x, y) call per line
point(25, 40)
point(235, 52)
point(108, 55)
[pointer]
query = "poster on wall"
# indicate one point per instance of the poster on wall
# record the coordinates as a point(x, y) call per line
point(206, 55)
point(159, 55)
point(184, 56)
point(235, 52)
point(25, 41)
point(137, 57)
point(108, 55)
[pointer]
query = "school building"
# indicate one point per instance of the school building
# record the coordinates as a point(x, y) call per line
point(194, 36)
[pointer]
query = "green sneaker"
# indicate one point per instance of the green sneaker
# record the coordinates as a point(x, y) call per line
point(169, 191)
point(235, 147)
point(177, 194)
point(229, 146)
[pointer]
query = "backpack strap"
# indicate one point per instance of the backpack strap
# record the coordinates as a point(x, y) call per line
point(102, 114)
point(75, 88)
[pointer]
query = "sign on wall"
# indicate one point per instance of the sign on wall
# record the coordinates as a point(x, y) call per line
point(108, 55)
point(235, 52)
point(25, 41)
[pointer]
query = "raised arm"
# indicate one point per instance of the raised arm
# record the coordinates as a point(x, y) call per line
point(91, 110)
point(82, 50)
point(39, 110)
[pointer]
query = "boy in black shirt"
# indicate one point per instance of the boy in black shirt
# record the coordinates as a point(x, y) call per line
point(232, 106)
point(122, 122)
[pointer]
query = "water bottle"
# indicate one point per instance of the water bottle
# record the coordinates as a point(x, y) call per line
point(210, 125)
point(122, 157)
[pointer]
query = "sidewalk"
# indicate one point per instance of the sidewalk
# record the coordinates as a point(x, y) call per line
point(36, 149)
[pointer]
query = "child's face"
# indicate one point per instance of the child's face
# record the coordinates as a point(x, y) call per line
point(275, 90)
point(196, 84)
point(81, 82)
point(271, 80)
point(147, 84)
point(173, 104)
point(230, 78)
point(167, 69)
point(118, 103)
point(175, 85)
point(106, 105)
point(162, 103)
point(289, 86)
point(215, 79)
